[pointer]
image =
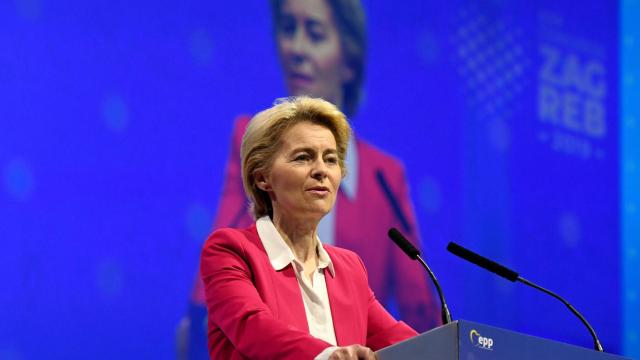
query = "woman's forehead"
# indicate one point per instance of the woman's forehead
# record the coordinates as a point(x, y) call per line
point(315, 10)
point(308, 134)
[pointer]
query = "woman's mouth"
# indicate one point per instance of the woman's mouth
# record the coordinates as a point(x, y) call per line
point(298, 81)
point(319, 190)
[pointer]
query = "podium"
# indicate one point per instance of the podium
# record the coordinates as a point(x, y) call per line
point(466, 340)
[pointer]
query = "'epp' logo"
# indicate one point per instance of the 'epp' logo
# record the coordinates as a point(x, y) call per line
point(480, 341)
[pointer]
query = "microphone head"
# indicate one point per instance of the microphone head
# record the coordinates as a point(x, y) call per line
point(403, 243)
point(482, 261)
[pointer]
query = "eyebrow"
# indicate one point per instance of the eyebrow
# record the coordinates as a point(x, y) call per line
point(308, 149)
point(306, 20)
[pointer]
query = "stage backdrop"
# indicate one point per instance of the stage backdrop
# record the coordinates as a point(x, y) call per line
point(115, 127)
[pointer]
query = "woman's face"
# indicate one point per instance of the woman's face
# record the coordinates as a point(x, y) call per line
point(305, 174)
point(310, 50)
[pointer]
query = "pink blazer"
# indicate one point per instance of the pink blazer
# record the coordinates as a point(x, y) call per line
point(361, 226)
point(256, 312)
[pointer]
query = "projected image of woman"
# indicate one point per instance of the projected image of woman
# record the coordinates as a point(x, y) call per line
point(322, 47)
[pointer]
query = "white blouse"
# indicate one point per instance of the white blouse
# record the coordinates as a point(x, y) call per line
point(314, 293)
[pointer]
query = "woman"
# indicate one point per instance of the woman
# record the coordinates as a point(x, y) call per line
point(273, 290)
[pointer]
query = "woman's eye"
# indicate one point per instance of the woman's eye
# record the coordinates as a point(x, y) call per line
point(316, 33)
point(317, 37)
point(301, 157)
point(332, 160)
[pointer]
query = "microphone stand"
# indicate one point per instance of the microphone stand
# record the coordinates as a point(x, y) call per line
point(446, 314)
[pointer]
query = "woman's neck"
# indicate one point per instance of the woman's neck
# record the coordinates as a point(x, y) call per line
point(299, 235)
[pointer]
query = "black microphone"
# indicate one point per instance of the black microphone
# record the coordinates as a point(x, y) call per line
point(483, 262)
point(414, 254)
point(511, 275)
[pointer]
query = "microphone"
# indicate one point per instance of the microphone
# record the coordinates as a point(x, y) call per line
point(414, 254)
point(513, 276)
point(483, 262)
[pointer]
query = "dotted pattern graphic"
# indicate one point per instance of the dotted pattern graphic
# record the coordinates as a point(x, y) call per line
point(491, 62)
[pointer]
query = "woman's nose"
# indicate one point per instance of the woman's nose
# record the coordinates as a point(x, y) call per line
point(320, 170)
point(299, 43)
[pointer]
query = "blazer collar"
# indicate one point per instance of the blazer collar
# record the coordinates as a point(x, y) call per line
point(279, 253)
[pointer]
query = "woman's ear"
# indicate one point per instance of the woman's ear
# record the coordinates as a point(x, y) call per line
point(261, 181)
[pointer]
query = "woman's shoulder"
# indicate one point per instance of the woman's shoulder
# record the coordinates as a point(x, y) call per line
point(371, 155)
point(232, 237)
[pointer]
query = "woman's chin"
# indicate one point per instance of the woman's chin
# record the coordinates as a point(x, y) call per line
point(301, 90)
point(319, 211)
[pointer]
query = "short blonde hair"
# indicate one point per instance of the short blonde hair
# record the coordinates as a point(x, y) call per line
point(262, 138)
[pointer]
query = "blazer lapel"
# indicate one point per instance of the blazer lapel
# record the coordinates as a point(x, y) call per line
point(346, 316)
point(290, 305)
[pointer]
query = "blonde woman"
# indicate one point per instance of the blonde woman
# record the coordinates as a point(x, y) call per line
point(273, 289)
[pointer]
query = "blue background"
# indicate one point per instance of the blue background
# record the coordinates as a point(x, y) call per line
point(115, 120)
